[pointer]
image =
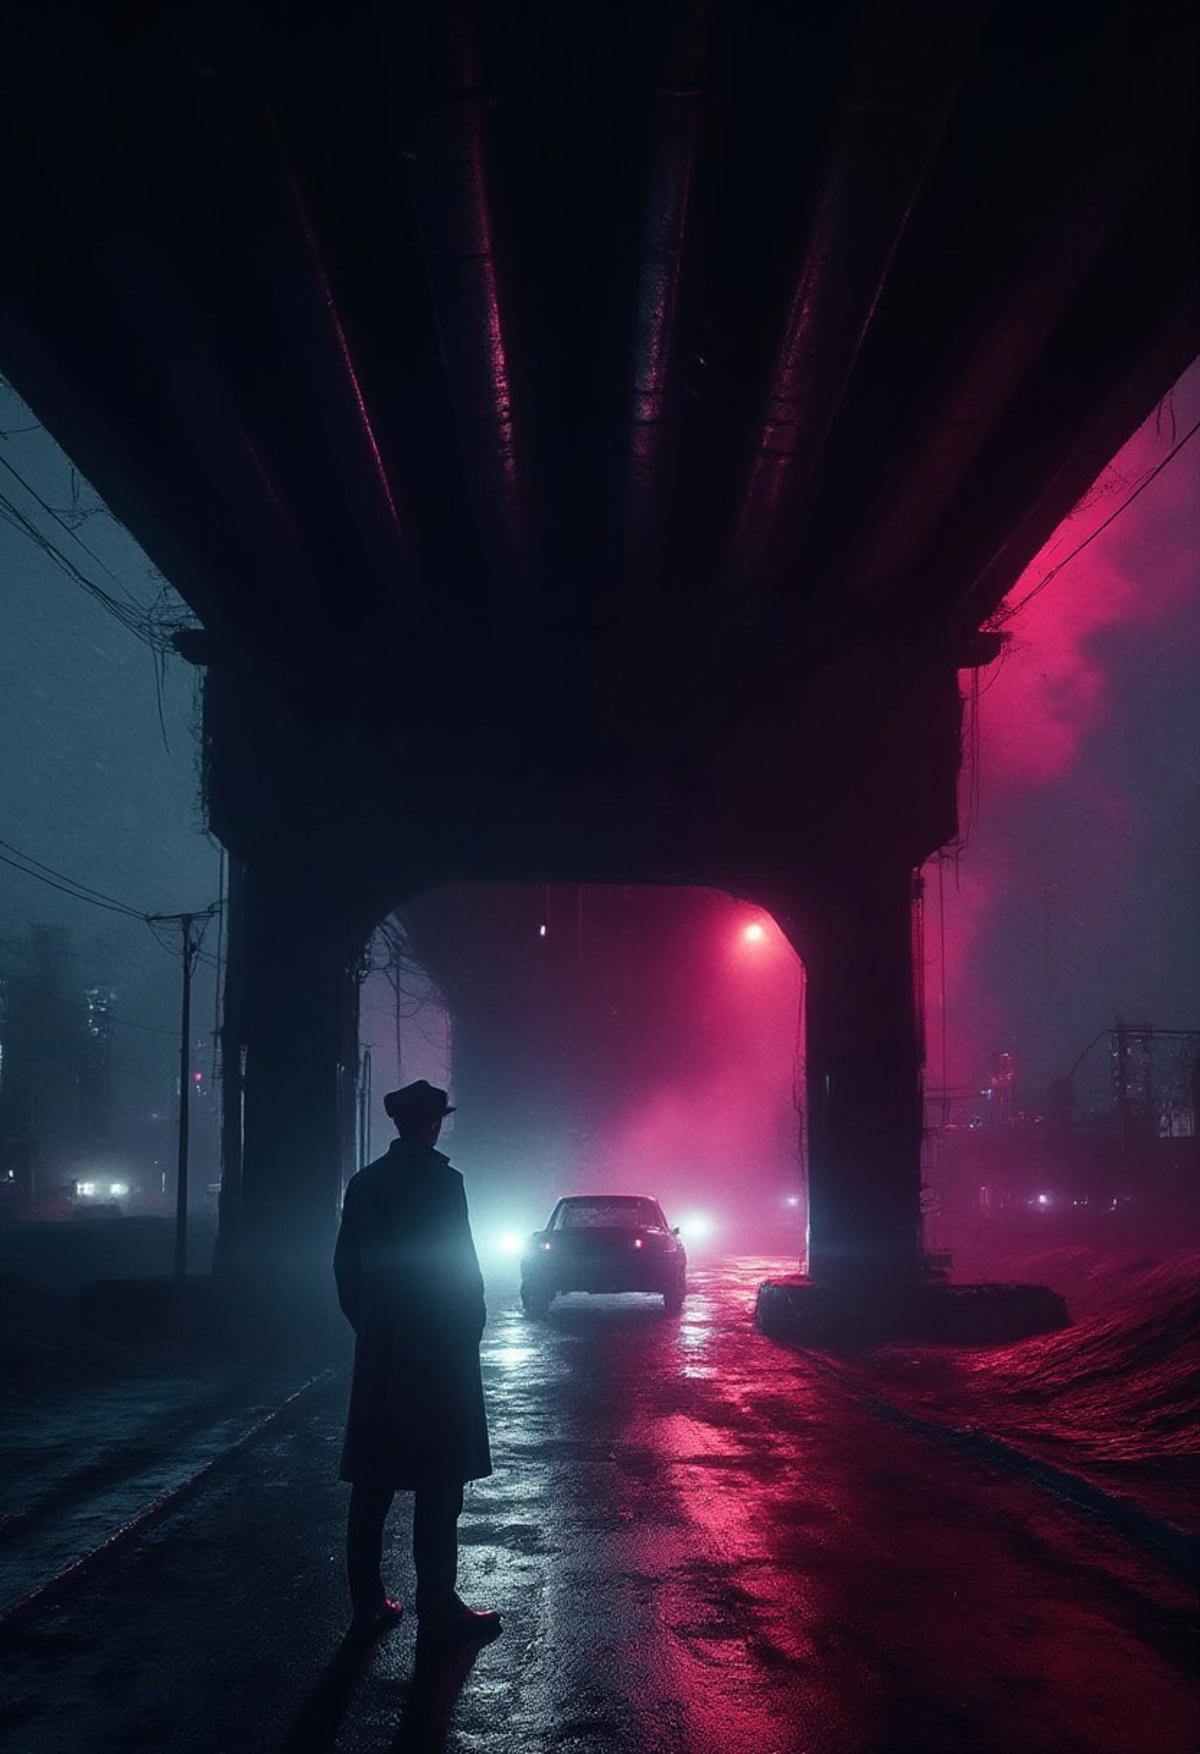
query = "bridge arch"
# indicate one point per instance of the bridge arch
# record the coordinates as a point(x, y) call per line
point(290, 1054)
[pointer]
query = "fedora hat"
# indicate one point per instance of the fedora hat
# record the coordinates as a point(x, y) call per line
point(420, 1101)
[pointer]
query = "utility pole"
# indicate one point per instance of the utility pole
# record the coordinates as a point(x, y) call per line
point(181, 1161)
point(364, 1107)
point(1121, 1051)
point(232, 1033)
point(191, 950)
point(185, 1104)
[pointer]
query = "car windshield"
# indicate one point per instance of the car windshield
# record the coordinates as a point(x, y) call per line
point(617, 1212)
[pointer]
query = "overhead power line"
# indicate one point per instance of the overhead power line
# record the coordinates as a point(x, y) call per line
point(62, 523)
point(146, 624)
point(1007, 613)
point(44, 873)
point(65, 885)
point(134, 620)
point(75, 894)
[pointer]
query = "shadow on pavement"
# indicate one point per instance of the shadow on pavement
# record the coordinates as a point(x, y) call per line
point(430, 1700)
point(317, 1722)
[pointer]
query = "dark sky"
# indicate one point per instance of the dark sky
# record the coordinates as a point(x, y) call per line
point(1074, 897)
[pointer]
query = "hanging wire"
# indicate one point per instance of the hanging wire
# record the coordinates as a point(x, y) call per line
point(133, 620)
point(1008, 612)
point(77, 892)
point(159, 660)
point(153, 626)
point(59, 880)
point(62, 523)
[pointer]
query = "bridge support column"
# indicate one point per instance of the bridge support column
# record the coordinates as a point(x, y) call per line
point(863, 1065)
point(299, 1026)
point(863, 1057)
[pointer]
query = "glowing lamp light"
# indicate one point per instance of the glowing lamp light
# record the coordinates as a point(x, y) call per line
point(197, 1077)
point(118, 1190)
point(1043, 1199)
point(791, 1200)
point(754, 933)
point(509, 1242)
point(696, 1227)
point(541, 931)
point(85, 1189)
point(638, 1243)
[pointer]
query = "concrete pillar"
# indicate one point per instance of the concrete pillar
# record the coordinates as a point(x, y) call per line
point(300, 1033)
point(863, 1072)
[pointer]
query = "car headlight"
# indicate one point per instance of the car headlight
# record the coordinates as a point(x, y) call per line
point(696, 1226)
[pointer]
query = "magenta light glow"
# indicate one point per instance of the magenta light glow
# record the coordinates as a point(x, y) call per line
point(707, 1121)
point(497, 374)
point(1028, 906)
point(347, 358)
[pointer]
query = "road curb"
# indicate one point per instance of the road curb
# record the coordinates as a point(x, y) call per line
point(42, 1594)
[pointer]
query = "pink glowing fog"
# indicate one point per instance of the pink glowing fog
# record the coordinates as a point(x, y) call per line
point(1073, 896)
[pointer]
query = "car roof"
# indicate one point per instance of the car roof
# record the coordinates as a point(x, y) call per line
point(573, 1199)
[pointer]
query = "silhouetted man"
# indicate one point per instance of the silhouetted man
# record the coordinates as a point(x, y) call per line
point(409, 1284)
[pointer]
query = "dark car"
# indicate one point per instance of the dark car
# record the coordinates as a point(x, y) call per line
point(604, 1242)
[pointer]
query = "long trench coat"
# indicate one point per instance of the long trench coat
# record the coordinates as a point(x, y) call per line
point(409, 1283)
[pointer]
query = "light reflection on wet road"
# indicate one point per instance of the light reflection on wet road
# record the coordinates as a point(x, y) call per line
point(701, 1544)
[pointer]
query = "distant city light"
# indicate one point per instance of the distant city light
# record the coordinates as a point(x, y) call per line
point(197, 1077)
point(85, 1189)
point(118, 1190)
point(541, 931)
point(1043, 1199)
point(638, 1243)
point(754, 933)
point(510, 1242)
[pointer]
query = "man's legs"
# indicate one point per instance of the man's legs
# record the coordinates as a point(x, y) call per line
point(369, 1505)
point(436, 1510)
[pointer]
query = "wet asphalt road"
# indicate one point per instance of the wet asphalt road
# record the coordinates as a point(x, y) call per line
point(701, 1543)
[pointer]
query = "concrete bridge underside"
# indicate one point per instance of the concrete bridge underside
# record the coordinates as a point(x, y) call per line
point(591, 441)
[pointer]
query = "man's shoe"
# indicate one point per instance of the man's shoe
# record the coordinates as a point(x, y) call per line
point(459, 1624)
point(370, 1622)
